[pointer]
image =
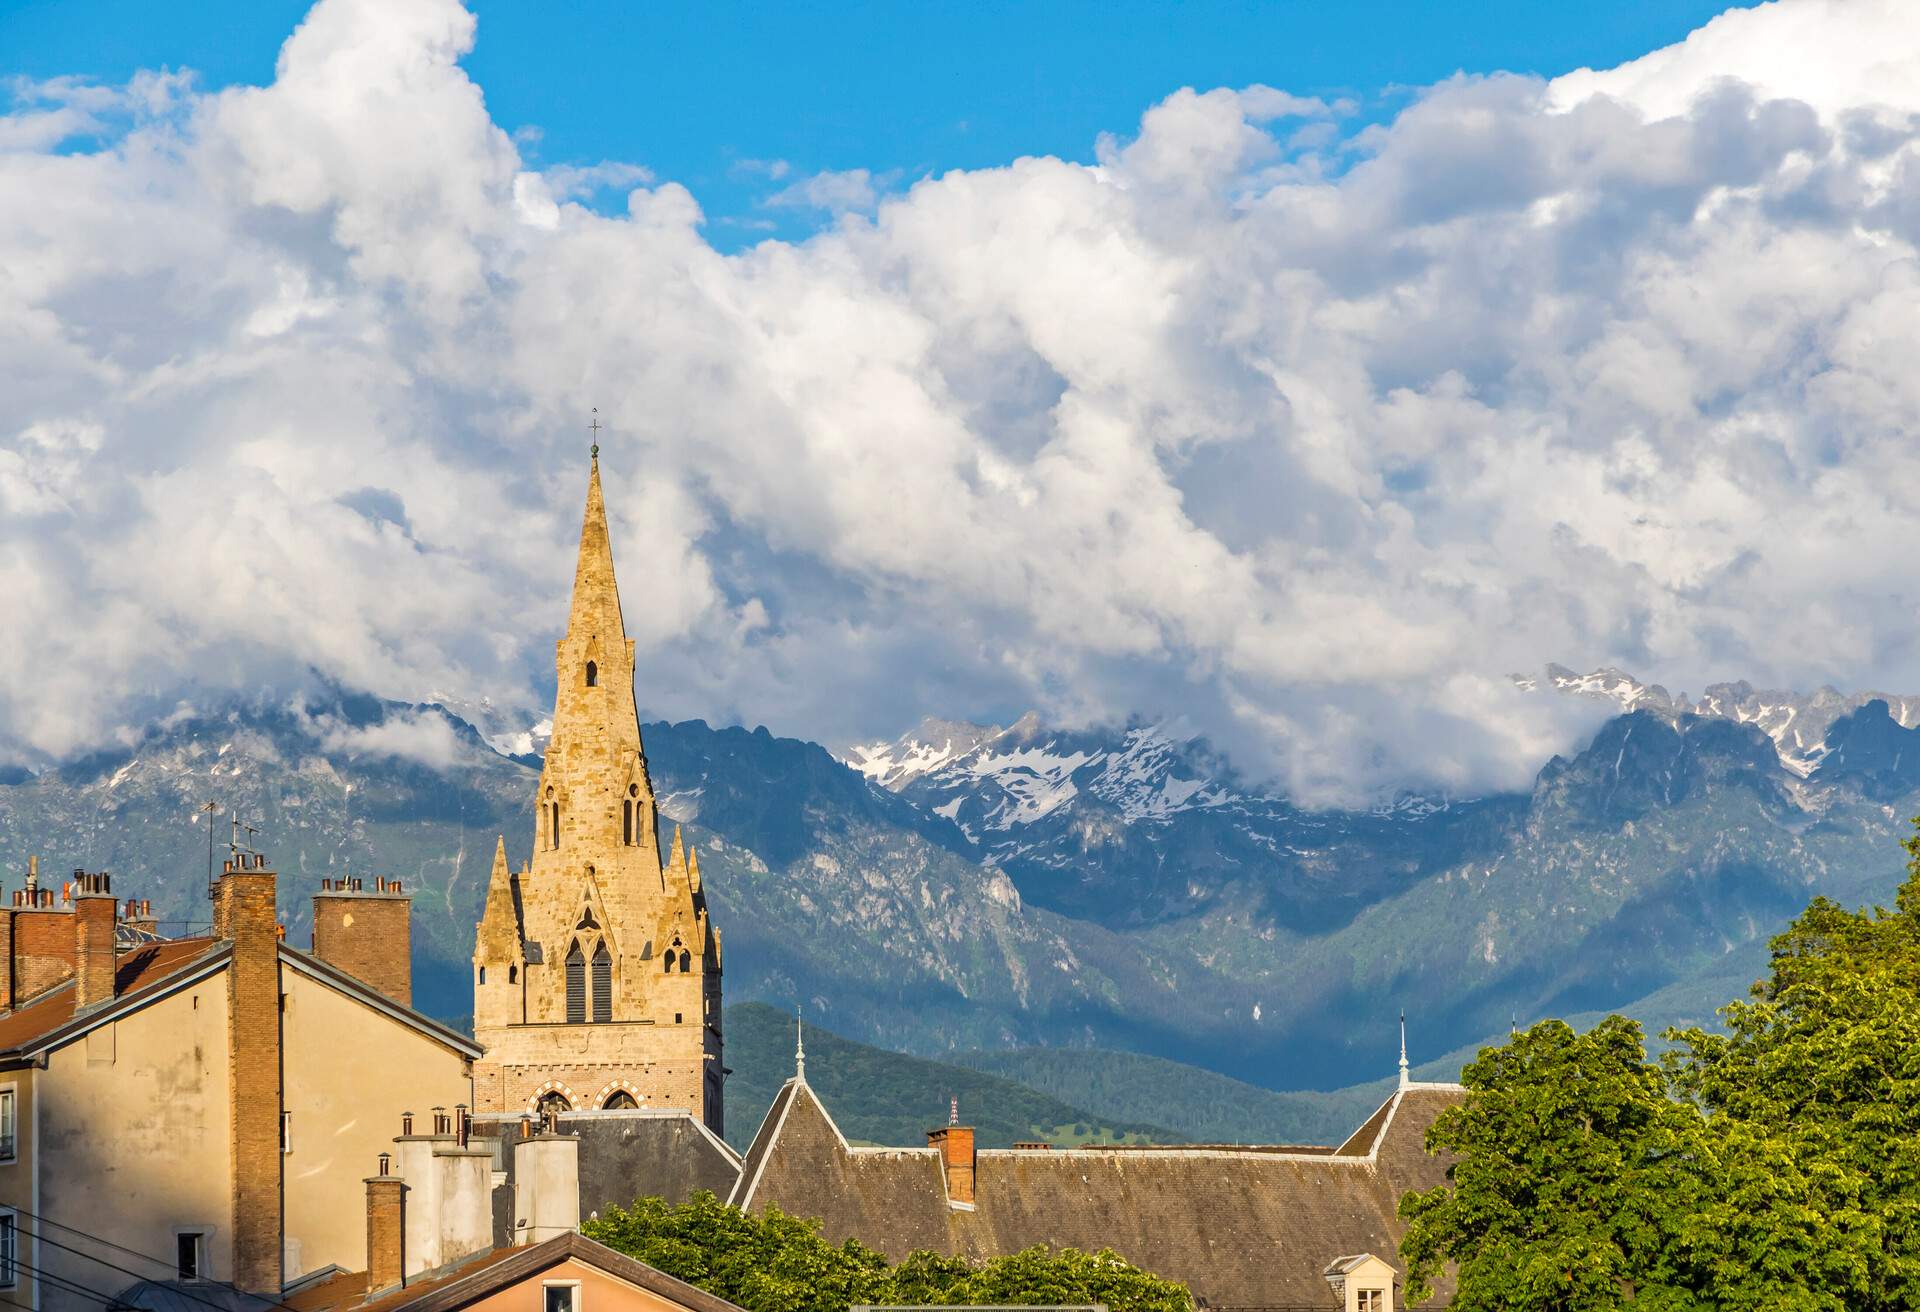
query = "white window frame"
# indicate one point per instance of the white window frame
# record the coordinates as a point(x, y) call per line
point(205, 1234)
point(9, 1248)
point(9, 1123)
point(574, 1303)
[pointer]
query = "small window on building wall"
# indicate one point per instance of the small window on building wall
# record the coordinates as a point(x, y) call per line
point(1372, 1300)
point(9, 1248)
point(563, 1298)
point(8, 1123)
point(593, 675)
point(190, 1254)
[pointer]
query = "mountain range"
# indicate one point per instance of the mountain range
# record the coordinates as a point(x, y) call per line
point(1053, 905)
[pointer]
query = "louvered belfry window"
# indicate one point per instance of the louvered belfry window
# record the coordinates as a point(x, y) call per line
point(602, 985)
point(576, 986)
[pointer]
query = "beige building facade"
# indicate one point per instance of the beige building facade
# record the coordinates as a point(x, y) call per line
point(201, 1108)
point(596, 972)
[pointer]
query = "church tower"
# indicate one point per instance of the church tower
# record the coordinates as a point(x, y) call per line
point(596, 974)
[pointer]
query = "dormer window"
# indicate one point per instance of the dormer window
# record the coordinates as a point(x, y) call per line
point(593, 675)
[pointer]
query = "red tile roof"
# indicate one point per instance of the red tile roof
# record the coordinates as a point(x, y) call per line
point(137, 975)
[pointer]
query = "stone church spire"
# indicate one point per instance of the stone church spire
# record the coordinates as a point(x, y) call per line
point(597, 930)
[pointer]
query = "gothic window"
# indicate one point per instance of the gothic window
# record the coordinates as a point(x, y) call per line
point(666, 959)
point(513, 974)
point(619, 1101)
point(483, 974)
point(686, 961)
point(602, 985)
point(626, 823)
point(552, 817)
point(586, 918)
point(556, 824)
point(576, 985)
point(552, 1101)
point(593, 675)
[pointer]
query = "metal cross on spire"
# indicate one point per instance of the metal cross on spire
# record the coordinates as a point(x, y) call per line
point(595, 428)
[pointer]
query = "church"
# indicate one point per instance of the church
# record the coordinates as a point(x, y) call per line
point(596, 972)
point(597, 1006)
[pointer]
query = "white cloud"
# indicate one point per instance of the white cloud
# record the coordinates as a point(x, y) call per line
point(1311, 436)
point(425, 737)
point(837, 192)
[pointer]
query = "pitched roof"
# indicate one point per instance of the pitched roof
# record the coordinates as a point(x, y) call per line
point(153, 971)
point(328, 973)
point(140, 977)
point(490, 1272)
point(1241, 1227)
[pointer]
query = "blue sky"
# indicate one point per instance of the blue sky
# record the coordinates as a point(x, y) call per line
point(695, 93)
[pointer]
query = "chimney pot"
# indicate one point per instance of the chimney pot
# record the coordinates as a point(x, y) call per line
point(406, 1122)
point(386, 1163)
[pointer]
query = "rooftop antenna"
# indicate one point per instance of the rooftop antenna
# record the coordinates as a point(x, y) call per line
point(799, 1050)
point(251, 831)
point(233, 842)
point(208, 810)
point(595, 428)
point(1403, 1047)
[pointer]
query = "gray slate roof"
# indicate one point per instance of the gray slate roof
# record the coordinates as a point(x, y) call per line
point(1242, 1227)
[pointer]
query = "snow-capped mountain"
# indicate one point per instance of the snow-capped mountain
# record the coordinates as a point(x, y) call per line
point(1147, 823)
point(988, 779)
point(1796, 722)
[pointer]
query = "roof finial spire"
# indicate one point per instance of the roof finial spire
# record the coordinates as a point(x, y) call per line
point(595, 428)
point(799, 1049)
point(953, 1110)
point(1403, 1047)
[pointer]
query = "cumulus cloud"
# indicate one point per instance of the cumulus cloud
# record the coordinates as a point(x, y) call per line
point(1308, 431)
point(836, 191)
point(425, 737)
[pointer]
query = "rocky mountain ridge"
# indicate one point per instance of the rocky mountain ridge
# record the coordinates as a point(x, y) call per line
point(1026, 890)
point(1796, 722)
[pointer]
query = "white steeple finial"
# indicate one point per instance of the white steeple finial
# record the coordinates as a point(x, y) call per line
point(953, 1111)
point(799, 1049)
point(1403, 1048)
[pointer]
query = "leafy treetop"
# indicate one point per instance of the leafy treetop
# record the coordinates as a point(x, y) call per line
point(1776, 1165)
point(773, 1262)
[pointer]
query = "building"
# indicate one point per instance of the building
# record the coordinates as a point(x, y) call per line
point(201, 1108)
point(596, 973)
point(1242, 1227)
point(430, 1245)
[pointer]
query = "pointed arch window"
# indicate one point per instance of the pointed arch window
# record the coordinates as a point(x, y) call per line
point(553, 820)
point(629, 813)
point(593, 675)
point(576, 985)
point(686, 961)
point(602, 985)
point(620, 1101)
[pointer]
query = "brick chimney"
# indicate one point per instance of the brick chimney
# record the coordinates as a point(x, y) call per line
point(367, 932)
point(94, 912)
point(386, 1229)
point(243, 911)
point(955, 1145)
point(36, 943)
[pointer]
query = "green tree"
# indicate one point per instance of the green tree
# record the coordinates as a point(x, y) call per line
point(773, 1262)
point(1775, 1165)
point(768, 1262)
